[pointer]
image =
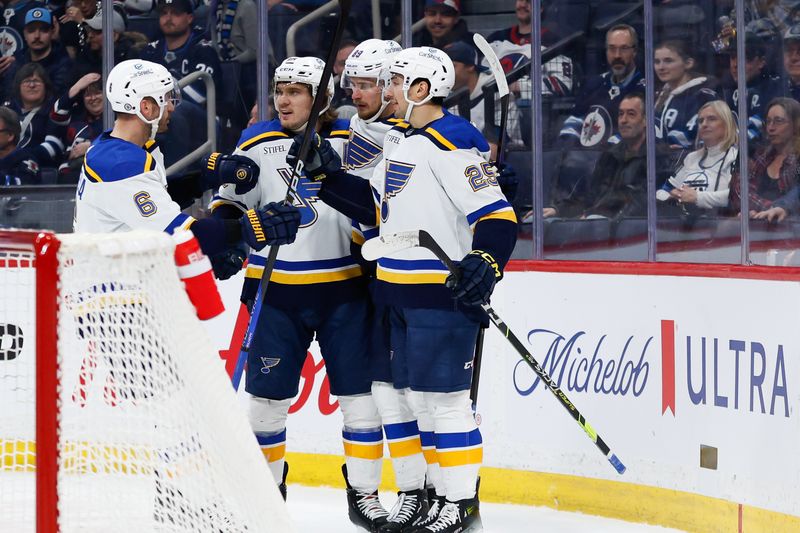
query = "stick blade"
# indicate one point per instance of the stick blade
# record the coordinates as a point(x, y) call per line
point(385, 245)
point(494, 63)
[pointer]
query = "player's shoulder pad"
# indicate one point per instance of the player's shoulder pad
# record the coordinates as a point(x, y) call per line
point(261, 132)
point(454, 133)
point(339, 129)
point(113, 159)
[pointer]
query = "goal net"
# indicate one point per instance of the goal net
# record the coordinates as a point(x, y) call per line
point(115, 411)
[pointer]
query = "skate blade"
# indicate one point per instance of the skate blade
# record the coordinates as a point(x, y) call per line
point(475, 527)
point(361, 529)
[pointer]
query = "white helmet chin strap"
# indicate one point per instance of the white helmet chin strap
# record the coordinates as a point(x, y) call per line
point(153, 123)
point(411, 104)
point(377, 115)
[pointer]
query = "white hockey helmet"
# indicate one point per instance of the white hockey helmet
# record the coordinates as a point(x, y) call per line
point(307, 70)
point(427, 63)
point(133, 80)
point(370, 59)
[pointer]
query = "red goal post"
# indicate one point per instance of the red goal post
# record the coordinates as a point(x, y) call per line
point(117, 414)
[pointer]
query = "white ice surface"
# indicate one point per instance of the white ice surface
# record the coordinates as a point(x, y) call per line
point(316, 510)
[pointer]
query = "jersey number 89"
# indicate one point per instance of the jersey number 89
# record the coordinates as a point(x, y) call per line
point(480, 177)
point(144, 204)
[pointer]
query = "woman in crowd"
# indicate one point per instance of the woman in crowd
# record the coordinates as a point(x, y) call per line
point(80, 110)
point(703, 180)
point(773, 169)
point(683, 93)
point(41, 139)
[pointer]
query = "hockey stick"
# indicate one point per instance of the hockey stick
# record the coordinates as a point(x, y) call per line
point(502, 87)
point(388, 244)
point(319, 102)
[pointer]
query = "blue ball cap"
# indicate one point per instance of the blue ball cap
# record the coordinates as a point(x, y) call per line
point(39, 14)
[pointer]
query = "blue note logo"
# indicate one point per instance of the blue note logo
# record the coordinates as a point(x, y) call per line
point(268, 363)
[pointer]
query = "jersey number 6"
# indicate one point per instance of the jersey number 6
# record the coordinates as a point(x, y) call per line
point(144, 204)
point(480, 177)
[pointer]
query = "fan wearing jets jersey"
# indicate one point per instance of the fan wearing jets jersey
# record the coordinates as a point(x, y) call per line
point(436, 177)
point(317, 288)
point(123, 183)
point(366, 77)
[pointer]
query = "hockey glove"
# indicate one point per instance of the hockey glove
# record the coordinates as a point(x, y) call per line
point(228, 263)
point(321, 160)
point(477, 275)
point(236, 169)
point(272, 224)
point(507, 179)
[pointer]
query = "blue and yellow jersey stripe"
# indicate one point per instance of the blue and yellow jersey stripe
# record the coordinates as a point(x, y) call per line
point(459, 449)
point(411, 271)
point(500, 209)
point(306, 272)
point(179, 222)
point(262, 138)
point(403, 438)
point(273, 446)
point(439, 139)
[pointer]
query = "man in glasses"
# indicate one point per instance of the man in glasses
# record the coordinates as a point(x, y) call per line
point(593, 119)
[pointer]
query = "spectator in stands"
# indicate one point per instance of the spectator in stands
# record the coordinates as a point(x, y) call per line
point(762, 86)
point(12, 23)
point(183, 49)
point(791, 61)
point(618, 185)
point(593, 119)
point(443, 25)
point(683, 92)
point(80, 111)
point(43, 49)
point(773, 170)
point(702, 184)
point(470, 75)
point(72, 31)
point(234, 32)
point(126, 44)
point(340, 97)
point(14, 170)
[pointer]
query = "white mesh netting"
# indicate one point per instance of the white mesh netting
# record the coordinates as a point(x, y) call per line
point(151, 436)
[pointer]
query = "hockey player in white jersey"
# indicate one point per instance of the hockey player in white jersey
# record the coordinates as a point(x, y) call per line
point(366, 76)
point(317, 288)
point(123, 183)
point(436, 177)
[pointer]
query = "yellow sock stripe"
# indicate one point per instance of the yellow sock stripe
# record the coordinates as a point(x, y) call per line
point(274, 453)
point(431, 457)
point(363, 451)
point(405, 448)
point(472, 456)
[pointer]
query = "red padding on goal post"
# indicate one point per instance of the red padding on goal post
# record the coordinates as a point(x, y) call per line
point(195, 270)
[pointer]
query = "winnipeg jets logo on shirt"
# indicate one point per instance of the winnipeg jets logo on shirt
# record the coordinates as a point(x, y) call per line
point(304, 197)
point(397, 176)
point(596, 127)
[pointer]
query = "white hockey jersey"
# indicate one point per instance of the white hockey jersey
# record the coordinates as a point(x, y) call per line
point(123, 187)
point(362, 153)
point(318, 267)
point(438, 179)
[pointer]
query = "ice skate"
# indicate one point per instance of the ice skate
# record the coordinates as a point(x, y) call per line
point(411, 507)
point(364, 508)
point(456, 517)
point(435, 504)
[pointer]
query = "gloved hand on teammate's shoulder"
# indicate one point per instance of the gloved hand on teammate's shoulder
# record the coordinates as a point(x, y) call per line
point(477, 275)
point(507, 180)
point(228, 263)
point(239, 170)
point(321, 160)
point(272, 224)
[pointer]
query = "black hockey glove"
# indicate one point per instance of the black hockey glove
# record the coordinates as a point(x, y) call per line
point(236, 169)
point(477, 275)
point(228, 263)
point(274, 223)
point(507, 179)
point(321, 160)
